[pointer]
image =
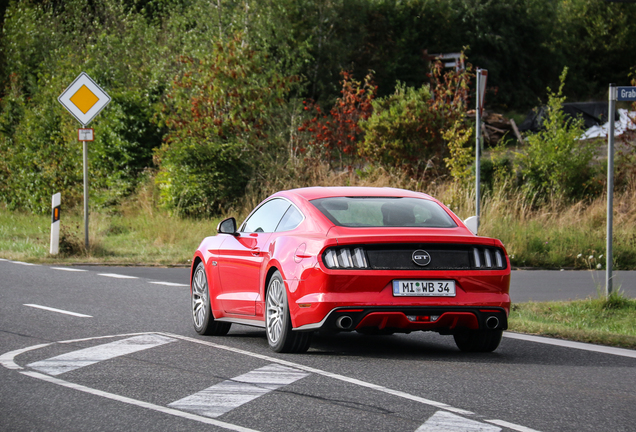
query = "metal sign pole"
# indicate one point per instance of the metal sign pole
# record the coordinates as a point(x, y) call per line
point(85, 151)
point(477, 143)
point(610, 189)
point(480, 84)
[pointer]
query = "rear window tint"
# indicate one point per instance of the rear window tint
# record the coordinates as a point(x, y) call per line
point(384, 212)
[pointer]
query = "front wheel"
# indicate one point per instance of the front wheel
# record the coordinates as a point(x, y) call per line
point(478, 340)
point(280, 335)
point(202, 316)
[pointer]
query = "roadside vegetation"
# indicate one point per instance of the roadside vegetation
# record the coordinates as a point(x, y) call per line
point(604, 321)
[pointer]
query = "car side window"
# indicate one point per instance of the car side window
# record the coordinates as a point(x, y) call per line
point(290, 220)
point(266, 217)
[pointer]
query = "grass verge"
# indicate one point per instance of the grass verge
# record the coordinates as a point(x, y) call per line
point(138, 238)
point(602, 321)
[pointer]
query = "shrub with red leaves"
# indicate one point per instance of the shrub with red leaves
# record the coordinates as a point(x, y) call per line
point(334, 136)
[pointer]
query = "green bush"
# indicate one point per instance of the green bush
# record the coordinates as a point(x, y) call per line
point(556, 162)
point(218, 115)
point(406, 129)
point(396, 134)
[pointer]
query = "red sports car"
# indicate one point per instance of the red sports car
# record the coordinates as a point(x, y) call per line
point(373, 260)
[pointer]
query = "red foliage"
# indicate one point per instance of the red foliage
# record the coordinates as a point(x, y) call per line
point(335, 135)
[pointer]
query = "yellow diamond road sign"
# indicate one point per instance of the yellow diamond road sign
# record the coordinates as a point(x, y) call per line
point(84, 99)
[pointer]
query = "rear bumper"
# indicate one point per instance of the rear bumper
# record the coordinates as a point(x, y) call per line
point(445, 320)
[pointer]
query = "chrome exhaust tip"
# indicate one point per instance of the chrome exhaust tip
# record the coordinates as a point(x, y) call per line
point(492, 322)
point(344, 322)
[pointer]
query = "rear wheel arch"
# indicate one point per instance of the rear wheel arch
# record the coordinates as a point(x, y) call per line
point(273, 269)
point(195, 264)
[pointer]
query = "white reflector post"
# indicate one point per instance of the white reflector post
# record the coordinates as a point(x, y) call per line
point(55, 224)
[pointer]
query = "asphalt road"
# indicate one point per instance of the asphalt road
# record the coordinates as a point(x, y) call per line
point(128, 359)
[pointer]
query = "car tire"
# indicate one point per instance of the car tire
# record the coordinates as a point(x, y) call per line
point(202, 317)
point(278, 326)
point(478, 340)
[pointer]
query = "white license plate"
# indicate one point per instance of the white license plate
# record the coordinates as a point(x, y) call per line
point(432, 288)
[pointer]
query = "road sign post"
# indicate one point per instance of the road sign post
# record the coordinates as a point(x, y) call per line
point(615, 94)
point(84, 99)
point(482, 76)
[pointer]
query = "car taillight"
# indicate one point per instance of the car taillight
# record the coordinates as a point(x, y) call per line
point(488, 258)
point(345, 258)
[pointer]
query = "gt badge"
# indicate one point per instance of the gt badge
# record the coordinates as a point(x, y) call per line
point(421, 258)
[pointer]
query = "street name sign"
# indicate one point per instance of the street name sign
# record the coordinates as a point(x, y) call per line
point(625, 94)
point(84, 99)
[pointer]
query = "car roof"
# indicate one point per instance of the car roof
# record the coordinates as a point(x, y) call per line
point(311, 193)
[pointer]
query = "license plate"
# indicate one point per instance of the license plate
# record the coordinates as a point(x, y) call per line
point(428, 288)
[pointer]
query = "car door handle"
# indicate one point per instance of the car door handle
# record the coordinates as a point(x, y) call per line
point(256, 251)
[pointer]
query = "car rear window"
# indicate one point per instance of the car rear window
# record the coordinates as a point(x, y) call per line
point(384, 212)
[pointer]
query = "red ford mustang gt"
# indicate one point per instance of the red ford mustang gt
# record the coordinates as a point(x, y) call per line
point(374, 260)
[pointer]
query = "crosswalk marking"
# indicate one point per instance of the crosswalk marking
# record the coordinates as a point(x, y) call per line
point(77, 359)
point(227, 395)
point(443, 421)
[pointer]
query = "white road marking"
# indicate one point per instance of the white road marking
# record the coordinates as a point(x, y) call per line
point(227, 395)
point(58, 311)
point(443, 421)
point(169, 284)
point(71, 341)
point(339, 377)
point(69, 269)
point(88, 356)
point(138, 403)
point(511, 426)
point(23, 263)
point(576, 345)
point(6, 359)
point(117, 276)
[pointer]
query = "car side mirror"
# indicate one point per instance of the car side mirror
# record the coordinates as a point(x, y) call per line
point(472, 223)
point(227, 226)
